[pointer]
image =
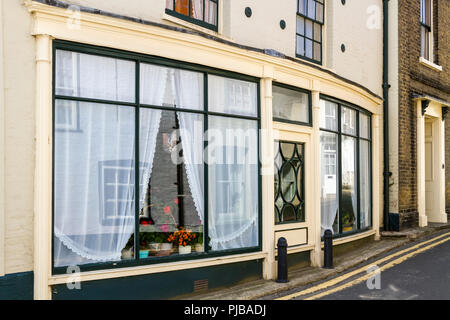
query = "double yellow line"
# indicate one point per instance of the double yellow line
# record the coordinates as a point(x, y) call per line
point(416, 249)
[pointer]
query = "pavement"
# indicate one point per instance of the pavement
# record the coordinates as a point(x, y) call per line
point(260, 288)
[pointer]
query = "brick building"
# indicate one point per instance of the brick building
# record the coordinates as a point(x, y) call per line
point(419, 74)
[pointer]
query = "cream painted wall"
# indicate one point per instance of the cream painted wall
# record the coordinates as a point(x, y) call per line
point(2, 152)
point(348, 24)
point(19, 121)
point(393, 105)
point(357, 25)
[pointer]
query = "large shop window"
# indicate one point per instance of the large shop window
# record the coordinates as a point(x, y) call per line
point(201, 12)
point(345, 140)
point(310, 19)
point(194, 190)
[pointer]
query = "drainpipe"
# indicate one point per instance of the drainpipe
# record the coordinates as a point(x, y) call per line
point(386, 86)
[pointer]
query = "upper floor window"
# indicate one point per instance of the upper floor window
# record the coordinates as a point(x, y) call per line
point(310, 18)
point(425, 29)
point(201, 12)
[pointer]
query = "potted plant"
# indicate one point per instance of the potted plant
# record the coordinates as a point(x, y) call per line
point(184, 239)
point(199, 243)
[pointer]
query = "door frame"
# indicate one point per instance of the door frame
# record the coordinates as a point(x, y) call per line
point(431, 111)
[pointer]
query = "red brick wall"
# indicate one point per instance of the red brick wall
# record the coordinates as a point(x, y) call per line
point(417, 78)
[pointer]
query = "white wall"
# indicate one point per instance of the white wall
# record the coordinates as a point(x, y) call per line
point(2, 150)
point(348, 24)
point(18, 152)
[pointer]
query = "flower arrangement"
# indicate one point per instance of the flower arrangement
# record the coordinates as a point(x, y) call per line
point(182, 237)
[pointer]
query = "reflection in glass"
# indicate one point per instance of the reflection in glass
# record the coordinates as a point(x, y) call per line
point(290, 104)
point(365, 184)
point(231, 96)
point(349, 184)
point(348, 121)
point(329, 181)
point(328, 115)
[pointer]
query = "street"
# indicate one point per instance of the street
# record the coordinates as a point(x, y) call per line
point(419, 270)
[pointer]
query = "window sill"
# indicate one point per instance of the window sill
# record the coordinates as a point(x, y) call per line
point(351, 238)
point(193, 26)
point(430, 64)
point(156, 268)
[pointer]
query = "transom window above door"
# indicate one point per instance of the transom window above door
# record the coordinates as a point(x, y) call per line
point(201, 12)
point(291, 104)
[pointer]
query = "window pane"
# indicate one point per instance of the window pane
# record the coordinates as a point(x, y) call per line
point(319, 12)
point(232, 183)
point(308, 48)
point(364, 126)
point(211, 12)
point(171, 149)
point(161, 86)
point(197, 9)
point(302, 6)
point(311, 13)
point(349, 184)
point(301, 25)
point(96, 77)
point(290, 104)
point(94, 186)
point(232, 96)
point(309, 29)
point(317, 51)
point(365, 184)
point(424, 42)
point(182, 6)
point(300, 46)
point(329, 181)
point(317, 32)
point(169, 4)
point(348, 121)
point(328, 115)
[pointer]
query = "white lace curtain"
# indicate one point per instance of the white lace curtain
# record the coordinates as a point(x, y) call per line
point(94, 164)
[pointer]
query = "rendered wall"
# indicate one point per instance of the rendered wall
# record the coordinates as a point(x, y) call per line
point(357, 24)
point(18, 130)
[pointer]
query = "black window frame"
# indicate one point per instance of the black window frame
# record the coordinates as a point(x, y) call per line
point(289, 87)
point(155, 60)
point(198, 22)
point(313, 21)
point(343, 104)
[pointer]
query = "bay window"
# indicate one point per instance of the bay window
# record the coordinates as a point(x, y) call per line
point(159, 150)
point(345, 167)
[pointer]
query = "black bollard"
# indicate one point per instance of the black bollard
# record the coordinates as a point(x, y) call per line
point(328, 249)
point(282, 261)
